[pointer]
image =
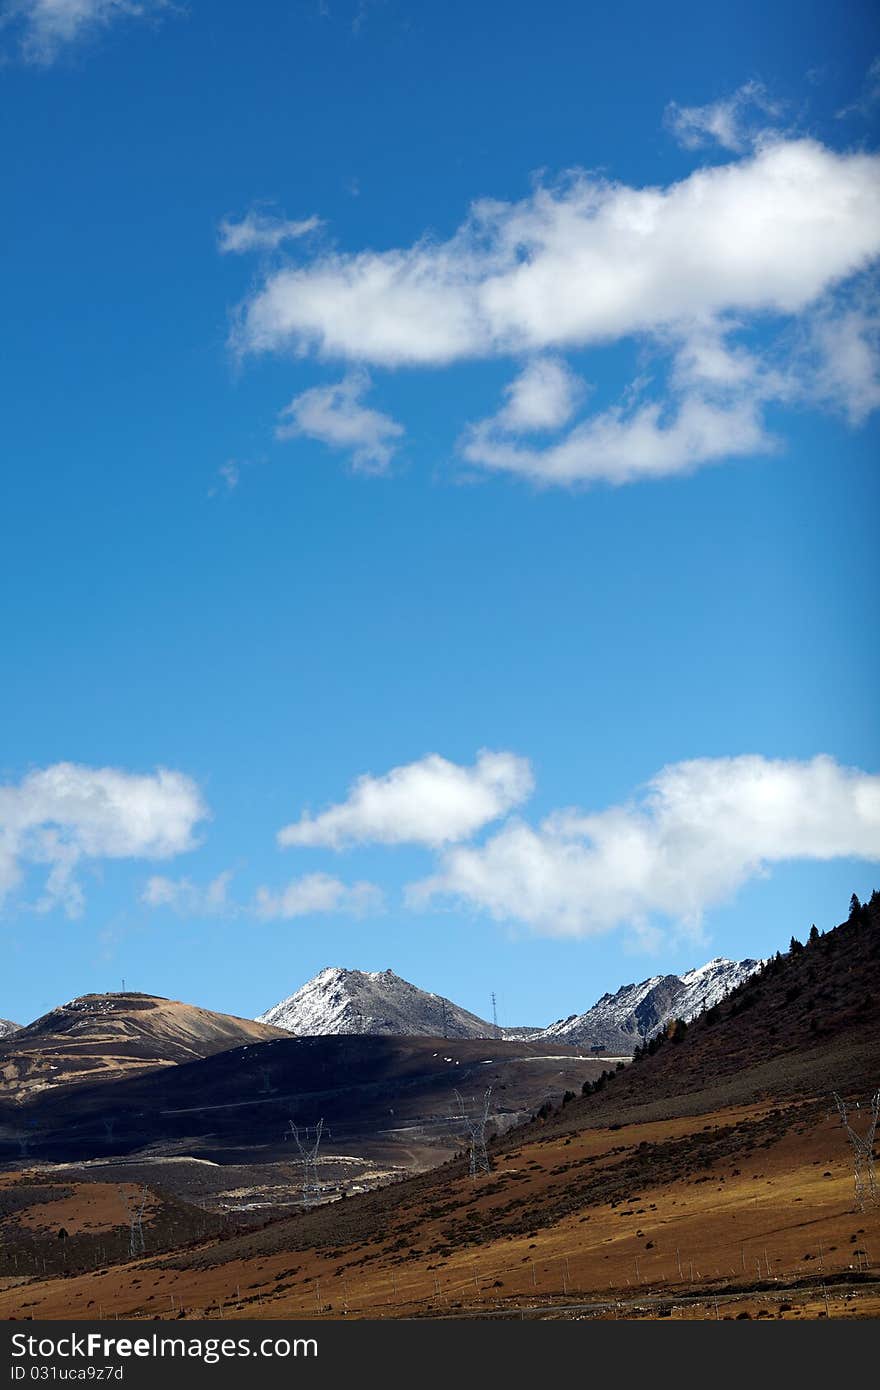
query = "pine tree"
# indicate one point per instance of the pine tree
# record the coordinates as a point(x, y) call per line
point(855, 907)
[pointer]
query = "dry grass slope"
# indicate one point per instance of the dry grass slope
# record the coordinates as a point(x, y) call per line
point(710, 1179)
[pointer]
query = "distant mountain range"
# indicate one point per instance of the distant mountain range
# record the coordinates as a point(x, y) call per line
point(100, 1036)
point(380, 1002)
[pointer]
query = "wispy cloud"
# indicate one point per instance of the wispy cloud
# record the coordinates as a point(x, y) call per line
point(229, 475)
point(696, 833)
point(317, 894)
point(306, 896)
point(44, 28)
point(734, 122)
point(189, 899)
point(259, 231)
point(868, 97)
point(335, 416)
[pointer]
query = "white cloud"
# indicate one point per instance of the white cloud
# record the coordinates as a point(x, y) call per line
point(843, 357)
point(730, 122)
point(711, 406)
point(67, 813)
point(334, 416)
point(543, 397)
point(707, 360)
point(588, 262)
point(186, 898)
point(260, 231)
point(318, 893)
point(45, 27)
point(652, 439)
point(430, 802)
point(770, 243)
point(699, 830)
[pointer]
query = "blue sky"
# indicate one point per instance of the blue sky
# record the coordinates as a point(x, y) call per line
point(389, 383)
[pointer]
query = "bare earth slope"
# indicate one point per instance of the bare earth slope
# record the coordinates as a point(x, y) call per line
point(106, 1036)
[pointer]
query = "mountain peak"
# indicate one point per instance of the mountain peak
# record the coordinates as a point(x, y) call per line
point(338, 1000)
point(638, 1011)
point(341, 1000)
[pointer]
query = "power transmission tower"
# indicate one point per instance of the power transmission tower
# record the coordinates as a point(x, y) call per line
point(497, 1030)
point(308, 1155)
point(478, 1154)
point(135, 1215)
point(864, 1173)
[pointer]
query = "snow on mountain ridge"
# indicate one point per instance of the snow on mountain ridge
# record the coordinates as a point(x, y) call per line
point(337, 1000)
point(357, 1001)
point(638, 1011)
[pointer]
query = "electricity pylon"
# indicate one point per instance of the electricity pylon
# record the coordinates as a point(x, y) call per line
point(864, 1173)
point(308, 1155)
point(135, 1214)
point(478, 1154)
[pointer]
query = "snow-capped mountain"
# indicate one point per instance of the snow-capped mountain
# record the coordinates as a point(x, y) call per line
point(7, 1028)
point(638, 1011)
point(358, 1001)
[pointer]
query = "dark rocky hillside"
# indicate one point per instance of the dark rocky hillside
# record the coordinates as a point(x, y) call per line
point(236, 1106)
point(804, 1025)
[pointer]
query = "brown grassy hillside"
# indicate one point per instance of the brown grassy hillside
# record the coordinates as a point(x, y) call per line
point(711, 1178)
point(106, 1036)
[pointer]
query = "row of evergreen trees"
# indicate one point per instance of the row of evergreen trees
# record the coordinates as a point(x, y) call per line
point(862, 913)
